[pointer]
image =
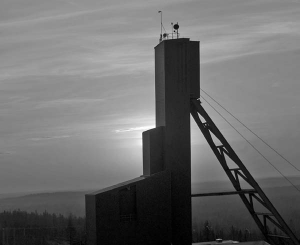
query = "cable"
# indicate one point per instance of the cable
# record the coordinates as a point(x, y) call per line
point(250, 144)
point(253, 132)
point(163, 28)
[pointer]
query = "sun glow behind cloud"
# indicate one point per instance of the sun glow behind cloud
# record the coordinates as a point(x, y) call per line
point(144, 128)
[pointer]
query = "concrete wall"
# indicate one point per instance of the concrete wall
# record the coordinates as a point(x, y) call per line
point(176, 70)
point(153, 151)
point(193, 68)
point(150, 222)
point(90, 207)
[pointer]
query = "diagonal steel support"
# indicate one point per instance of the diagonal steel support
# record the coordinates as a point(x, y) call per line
point(208, 128)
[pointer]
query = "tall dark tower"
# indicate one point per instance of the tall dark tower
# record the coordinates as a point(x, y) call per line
point(155, 208)
point(176, 80)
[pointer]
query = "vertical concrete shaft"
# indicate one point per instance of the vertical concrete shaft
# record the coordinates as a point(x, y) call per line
point(173, 82)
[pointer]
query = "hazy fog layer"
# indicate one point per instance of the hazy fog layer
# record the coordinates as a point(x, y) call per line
point(77, 86)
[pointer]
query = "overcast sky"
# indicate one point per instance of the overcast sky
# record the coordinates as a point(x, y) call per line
point(77, 86)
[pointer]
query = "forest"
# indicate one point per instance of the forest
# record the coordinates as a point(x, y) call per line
point(24, 228)
point(23, 219)
point(227, 217)
point(210, 232)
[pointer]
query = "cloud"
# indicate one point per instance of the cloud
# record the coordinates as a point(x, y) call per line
point(50, 137)
point(67, 102)
point(90, 71)
point(71, 3)
point(288, 27)
point(47, 18)
point(249, 40)
point(6, 152)
point(124, 130)
point(52, 14)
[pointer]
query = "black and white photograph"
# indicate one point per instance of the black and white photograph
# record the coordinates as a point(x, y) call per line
point(162, 122)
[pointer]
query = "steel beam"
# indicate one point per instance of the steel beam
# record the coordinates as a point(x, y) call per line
point(208, 128)
point(224, 193)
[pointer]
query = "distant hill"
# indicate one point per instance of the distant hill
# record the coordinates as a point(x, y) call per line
point(229, 210)
point(226, 208)
point(57, 202)
point(285, 199)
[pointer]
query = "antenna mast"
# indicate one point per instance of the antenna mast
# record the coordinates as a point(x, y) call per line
point(161, 26)
point(165, 35)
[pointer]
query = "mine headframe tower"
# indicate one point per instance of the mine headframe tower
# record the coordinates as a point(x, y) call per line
point(156, 207)
point(240, 172)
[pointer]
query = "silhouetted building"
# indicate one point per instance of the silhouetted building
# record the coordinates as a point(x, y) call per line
point(156, 207)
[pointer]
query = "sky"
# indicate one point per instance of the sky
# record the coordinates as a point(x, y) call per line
point(77, 86)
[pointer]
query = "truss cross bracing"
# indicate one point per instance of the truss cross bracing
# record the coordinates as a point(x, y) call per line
point(250, 197)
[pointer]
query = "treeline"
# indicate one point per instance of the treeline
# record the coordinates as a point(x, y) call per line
point(210, 232)
point(22, 228)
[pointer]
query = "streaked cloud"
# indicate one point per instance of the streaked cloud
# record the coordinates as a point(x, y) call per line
point(6, 152)
point(51, 137)
point(47, 18)
point(67, 102)
point(261, 38)
point(124, 130)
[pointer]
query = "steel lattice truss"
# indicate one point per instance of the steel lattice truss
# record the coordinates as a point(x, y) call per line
point(250, 197)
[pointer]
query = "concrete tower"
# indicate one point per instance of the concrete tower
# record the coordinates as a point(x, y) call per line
point(176, 69)
point(156, 207)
